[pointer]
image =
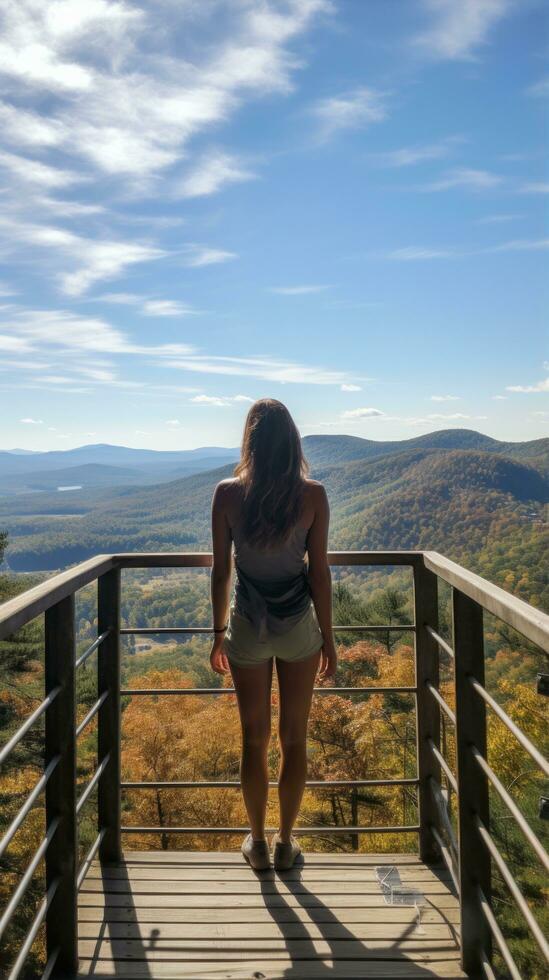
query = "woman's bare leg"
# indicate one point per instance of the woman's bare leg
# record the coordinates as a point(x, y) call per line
point(253, 692)
point(295, 683)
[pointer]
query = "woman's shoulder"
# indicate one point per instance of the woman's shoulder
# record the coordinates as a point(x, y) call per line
point(315, 492)
point(227, 491)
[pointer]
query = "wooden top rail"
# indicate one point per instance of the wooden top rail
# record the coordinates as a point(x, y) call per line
point(526, 619)
point(20, 610)
point(529, 621)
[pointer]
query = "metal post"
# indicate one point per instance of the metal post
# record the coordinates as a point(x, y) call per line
point(61, 855)
point(428, 711)
point(108, 679)
point(474, 860)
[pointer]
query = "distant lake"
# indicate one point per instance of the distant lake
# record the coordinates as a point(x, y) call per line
point(75, 487)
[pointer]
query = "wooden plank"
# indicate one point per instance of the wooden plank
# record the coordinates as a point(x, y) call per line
point(146, 916)
point(319, 969)
point(265, 930)
point(319, 858)
point(26, 606)
point(242, 949)
point(528, 620)
point(254, 885)
point(306, 900)
point(203, 559)
point(242, 873)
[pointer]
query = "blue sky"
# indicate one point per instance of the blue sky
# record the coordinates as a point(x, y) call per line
point(338, 203)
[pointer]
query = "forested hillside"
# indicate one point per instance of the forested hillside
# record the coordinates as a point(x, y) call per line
point(477, 506)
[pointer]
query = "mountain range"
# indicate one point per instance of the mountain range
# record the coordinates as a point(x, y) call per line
point(478, 500)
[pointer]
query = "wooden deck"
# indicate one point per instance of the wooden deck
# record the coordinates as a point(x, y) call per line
point(208, 915)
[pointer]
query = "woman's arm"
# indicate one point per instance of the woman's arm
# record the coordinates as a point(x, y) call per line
point(320, 580)
point(220, 580)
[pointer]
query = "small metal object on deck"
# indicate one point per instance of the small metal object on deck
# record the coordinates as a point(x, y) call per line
point(396, 893)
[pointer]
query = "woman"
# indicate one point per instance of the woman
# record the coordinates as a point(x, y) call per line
point(281, 610)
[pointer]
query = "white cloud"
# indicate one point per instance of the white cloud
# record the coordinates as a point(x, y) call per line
point(71, 332)
point(497, 219)
point(362, 413)
point(350, 110)
point(201, 255)
point(34, 172)
point(348, 387)
point(445, 398)
point(262, 367)
point(297, 290)
point(530, 389)
point(540, 88)
point(31, 421)
point(94, 260)
point(212, 173)
point(475, 180)
point(408, 156)
point(166, 307)
point(173, 422)
point(414, 253)
point(220, 401)
point(456, 417)
point(458, 27)
point(10, 344)
point(535, 187)
point(242, 398)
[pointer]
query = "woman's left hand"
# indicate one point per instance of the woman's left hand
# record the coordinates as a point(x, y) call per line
point(218, 657)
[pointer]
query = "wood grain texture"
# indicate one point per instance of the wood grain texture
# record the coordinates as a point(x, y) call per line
point(188, 914)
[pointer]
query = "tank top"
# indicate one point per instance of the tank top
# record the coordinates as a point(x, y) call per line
point(272, 586)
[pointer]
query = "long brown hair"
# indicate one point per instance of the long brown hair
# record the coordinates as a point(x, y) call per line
point(272, 470)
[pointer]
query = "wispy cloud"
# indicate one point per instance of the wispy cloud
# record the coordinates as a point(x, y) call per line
point(91, 260)
point(350, 387)
point(26, 170)
point(457, 29)
point(474, 180)
point(200, 255)
point(220, 401)
point(167, 307)
point(535, 187)
point(539, 386)
point(539, 89)
point(362, 413)
point(415, 253)
point(408, 156)
point(29, 421)
point(298, 290)
point(261, 367)
point(498, 219)
point(355, 109)
point(211, 173)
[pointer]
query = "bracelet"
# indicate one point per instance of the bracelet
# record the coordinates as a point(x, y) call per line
point(221, 629)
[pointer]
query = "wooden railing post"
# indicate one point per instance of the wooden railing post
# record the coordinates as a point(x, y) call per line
point(474, 860)
point(428, 711)
point(61, 855)
point(108, 679)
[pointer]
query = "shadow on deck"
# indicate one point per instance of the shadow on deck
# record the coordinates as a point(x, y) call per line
point(204, 915)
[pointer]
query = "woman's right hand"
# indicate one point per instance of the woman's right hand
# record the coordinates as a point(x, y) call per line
point(328, 662)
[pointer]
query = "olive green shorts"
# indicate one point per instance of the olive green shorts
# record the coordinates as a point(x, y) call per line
point(245, 650)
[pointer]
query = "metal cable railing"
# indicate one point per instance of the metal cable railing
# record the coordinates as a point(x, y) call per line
point(468, 864)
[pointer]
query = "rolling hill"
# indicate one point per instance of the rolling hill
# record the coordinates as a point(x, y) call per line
point(478, 506)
